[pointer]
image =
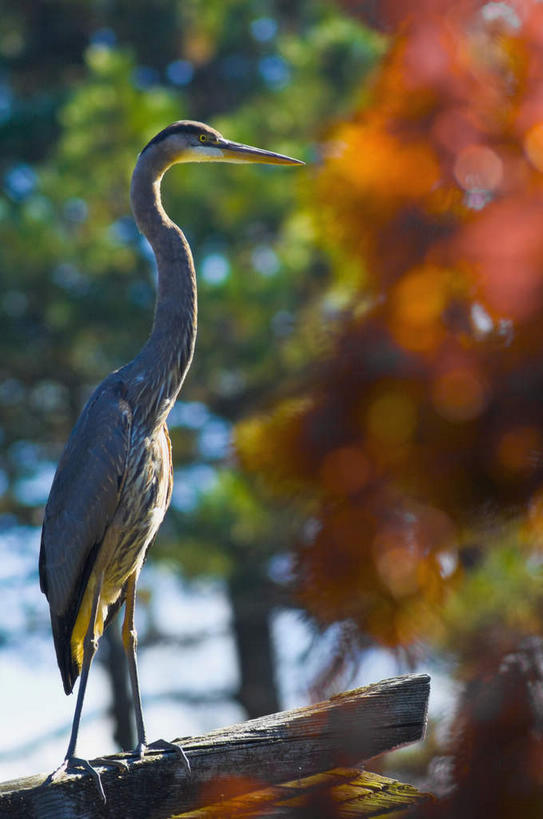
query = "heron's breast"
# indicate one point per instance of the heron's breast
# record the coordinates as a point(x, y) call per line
point(144, 500)
point(145, 497)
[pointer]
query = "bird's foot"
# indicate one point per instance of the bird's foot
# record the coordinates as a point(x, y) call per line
point(72, 764)
point(164, 745)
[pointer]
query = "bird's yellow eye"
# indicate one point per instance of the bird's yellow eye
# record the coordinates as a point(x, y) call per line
point(203, 137)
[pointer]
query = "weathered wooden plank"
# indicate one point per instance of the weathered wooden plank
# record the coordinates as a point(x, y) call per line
point(347, 792)
point(341, 731)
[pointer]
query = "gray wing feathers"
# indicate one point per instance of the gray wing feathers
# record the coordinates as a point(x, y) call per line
point(85, 493)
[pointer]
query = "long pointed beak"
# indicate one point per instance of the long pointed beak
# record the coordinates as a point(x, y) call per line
point(236, 152)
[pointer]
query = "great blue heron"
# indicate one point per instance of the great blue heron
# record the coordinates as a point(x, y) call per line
point(114, 480)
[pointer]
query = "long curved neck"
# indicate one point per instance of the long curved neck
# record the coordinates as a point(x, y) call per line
point(164, 360)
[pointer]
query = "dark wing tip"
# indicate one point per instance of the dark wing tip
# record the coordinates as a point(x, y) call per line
point(62, 636)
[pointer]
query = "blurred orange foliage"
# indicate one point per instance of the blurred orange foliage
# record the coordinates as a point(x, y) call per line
point(429, 410)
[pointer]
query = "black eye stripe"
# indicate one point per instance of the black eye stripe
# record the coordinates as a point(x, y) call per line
point(184, 127)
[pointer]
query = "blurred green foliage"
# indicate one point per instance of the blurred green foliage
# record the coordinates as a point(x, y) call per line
point(84, 86)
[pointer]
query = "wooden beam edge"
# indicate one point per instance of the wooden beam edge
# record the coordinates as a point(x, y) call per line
point(345, 729)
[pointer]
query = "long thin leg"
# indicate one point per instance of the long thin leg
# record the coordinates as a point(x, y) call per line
point(90, 644)
point(130, 642)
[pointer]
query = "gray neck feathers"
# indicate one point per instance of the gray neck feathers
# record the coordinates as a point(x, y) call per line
point(157, 373)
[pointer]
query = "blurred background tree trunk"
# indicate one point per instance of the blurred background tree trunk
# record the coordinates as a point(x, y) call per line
point(251, 601)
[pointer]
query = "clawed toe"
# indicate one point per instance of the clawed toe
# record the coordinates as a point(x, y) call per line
point(72, 764)
point(165, 745)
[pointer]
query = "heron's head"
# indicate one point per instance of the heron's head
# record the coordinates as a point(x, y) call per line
point(187, 141)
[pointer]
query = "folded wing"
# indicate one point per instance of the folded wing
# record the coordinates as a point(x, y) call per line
point(82, 502)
